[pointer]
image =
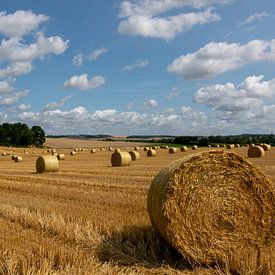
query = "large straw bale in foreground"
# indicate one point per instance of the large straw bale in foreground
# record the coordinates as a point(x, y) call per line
point(134, 155)
point(121, 159)
point(256, 152)
point(47, 163)
point(212, 206)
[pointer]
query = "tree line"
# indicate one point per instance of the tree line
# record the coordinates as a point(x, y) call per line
point(19, 134)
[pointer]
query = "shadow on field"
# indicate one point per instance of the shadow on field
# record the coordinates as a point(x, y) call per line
point(139, 246)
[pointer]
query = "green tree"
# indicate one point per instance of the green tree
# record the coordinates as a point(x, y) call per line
point(38, 135)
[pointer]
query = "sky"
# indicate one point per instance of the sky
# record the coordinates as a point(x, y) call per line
point(139, 67)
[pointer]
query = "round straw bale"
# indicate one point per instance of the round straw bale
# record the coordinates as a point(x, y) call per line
point(121, 159)
point(102, 149)
point(18, 159)
point(4, 154)
point(73, 153)
point(236, 145)
point(256, 152)
point(60, 156)
point(194, 147)
point(251, 145)
point(47, 163)
point(117, 150)
point(229, 146)
point(13, 157)
point(93, 151)
point(209, 146)
point(173, 150)
point(211, 205)
point(111, 149)
point(183, 148)
point(53, 151)
point(265, 146)
point(134, 155)
point(145, 148)
point(151, 153)
point(136, 148)
point(155, 147)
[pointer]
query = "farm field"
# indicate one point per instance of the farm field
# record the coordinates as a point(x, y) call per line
point(90, 217)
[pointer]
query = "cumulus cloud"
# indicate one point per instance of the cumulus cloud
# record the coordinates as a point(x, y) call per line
point(97, 53)
point(173, 93)
point(248, 95)
point(165, 27)
point(23, 107)
point(216, 58)
point(151, 103)
point(20, 23)
point(257, 16)
point(83, 83)
point(140, 63)
point(56, 104)
point(78, 59)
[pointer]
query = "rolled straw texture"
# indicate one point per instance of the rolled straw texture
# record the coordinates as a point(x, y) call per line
point(18, 159)
point(265, 146)
point(47, 163)
point(151, 153)
point(134, 155)
point(60, 156)
point(256, 152)
point(173, 150)
point(212, 205)
point(184, 148)
point(121, 159)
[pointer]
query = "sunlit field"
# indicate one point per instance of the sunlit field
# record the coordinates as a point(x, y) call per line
point(90, 217)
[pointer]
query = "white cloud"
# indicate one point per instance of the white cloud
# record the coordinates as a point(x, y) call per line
point(24, 107)
point(165, 27)
point(140, 63)
point(17, 68)
point(173, 93)
point(6, 87)
point(83, 83)
point(216, 58)
point(20, 23)
point(56, 104)
point(246, 96)
point(12, 98)
point(97, 53)
point(152, 103)
point(257, 16)
point(78, 59)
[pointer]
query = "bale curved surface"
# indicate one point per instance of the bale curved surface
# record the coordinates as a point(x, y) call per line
point(256, 152)
point(18, 159)
point(73, 153)
point(134, 155)
point(194, 147)
point(47, 163)
point(60, 156)
point(121, 159)
point(151, 153)
point(93, 151)
point(265, 146)
point(212, 205)
point(173, 150)
point(230, 146)
point(183, 148)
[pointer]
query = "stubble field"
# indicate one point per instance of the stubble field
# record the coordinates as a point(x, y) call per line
point(90, 217)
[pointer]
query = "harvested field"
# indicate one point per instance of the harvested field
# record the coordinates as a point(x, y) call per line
point(90, 217)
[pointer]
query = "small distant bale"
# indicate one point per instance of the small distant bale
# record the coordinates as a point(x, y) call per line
point(18, 159)
point(237, 145)
point(155, 147)
point(209, 146)
point(76, 149)
point(256, 152)
point(134, 155)
point(53, 151)
point(173, 150)
point(266, 147)
point(60, 156)
point(229, 146)
point(48, 150)
point(47, 163)
point(151, 153)
point(13, 157)
point(73, 153)
point(194, 147)
point(93, 151)
point(102, 149)
point(117, 150)
point(121, 159)
point(26, 153)
point(111, 149)
point(145, 149)
point(251, 145)
point(183, 148)
point(136, 148)
point(4, 153)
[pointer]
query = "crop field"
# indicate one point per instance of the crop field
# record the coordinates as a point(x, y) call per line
point(90, 217)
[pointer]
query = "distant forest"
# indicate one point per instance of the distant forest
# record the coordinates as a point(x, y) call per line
point(19, 134)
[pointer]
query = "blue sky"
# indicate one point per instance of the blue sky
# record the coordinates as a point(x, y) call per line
point(160, 67)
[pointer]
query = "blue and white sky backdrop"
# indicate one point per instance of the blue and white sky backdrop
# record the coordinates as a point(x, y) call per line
point(170, 67)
